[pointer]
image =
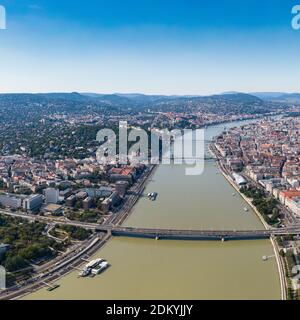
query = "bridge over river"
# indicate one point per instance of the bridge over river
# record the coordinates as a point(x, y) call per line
point(197, 234)
point(170, 234)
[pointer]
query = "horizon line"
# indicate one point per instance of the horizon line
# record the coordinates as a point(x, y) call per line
point(152, 94)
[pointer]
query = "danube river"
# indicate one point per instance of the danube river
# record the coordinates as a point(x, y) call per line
point(149, 269)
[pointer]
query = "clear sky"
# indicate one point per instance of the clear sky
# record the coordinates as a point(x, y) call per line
point(149, 46)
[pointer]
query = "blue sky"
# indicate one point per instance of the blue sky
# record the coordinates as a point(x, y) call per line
point(149, 46)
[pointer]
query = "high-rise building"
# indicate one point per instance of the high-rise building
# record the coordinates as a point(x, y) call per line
point(51, 195)
point(87, 203)
point(11, 201)
point(33, 202)
point(121, 187)
point(70, 201)
point(81, 195)
point(108, 203)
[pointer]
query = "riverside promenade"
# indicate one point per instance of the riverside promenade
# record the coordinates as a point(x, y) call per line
point(279, 260)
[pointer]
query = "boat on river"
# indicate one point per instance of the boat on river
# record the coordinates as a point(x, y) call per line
point(89, 267)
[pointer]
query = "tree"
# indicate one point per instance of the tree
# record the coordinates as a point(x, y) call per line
point(36, 251)
point(282, 253)
point(15, 263)
point(275, 214)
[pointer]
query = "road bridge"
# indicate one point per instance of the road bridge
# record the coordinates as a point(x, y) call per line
point(170, 234)
point(116, 230)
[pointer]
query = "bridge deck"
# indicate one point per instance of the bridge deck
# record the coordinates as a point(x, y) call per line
point(167, 233)
point(198, 234)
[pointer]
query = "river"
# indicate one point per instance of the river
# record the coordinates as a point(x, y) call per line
point(148, 269)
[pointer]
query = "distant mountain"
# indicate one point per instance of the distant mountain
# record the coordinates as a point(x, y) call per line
point(133, 97)
point(73, 96)
point(289, 98)
point(228, 102)
point(267, 95)
point(35, 105)
point(238, 96)
point(74, 102)
point(230, 92)
point(142, 98)
point(92, 95)
point(279, 96)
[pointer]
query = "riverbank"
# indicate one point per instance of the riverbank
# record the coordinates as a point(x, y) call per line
point(132, 203)
point(58, 271)
point(279, 261)
point(280, 264)
point(146, 269)
point(258, 117)
point(66, 266)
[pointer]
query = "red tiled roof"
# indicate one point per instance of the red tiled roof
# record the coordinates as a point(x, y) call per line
point(290, 193)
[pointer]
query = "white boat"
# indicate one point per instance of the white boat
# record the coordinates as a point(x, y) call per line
point(100, 268)
point(246, 209)
point(92, 264)
point(152, 196)
point(89, 267)
point(85, 272)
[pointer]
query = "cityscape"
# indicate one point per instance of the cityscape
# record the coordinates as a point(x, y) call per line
point(75, 228)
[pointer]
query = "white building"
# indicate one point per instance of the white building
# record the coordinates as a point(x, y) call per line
point(51, 195)
point(270, 184)
point(11, 201)
point(293, 182)
point(294, 205)
point(33, 202)
point(240, 181)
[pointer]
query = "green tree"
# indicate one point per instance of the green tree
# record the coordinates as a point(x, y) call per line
point(15, 263)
